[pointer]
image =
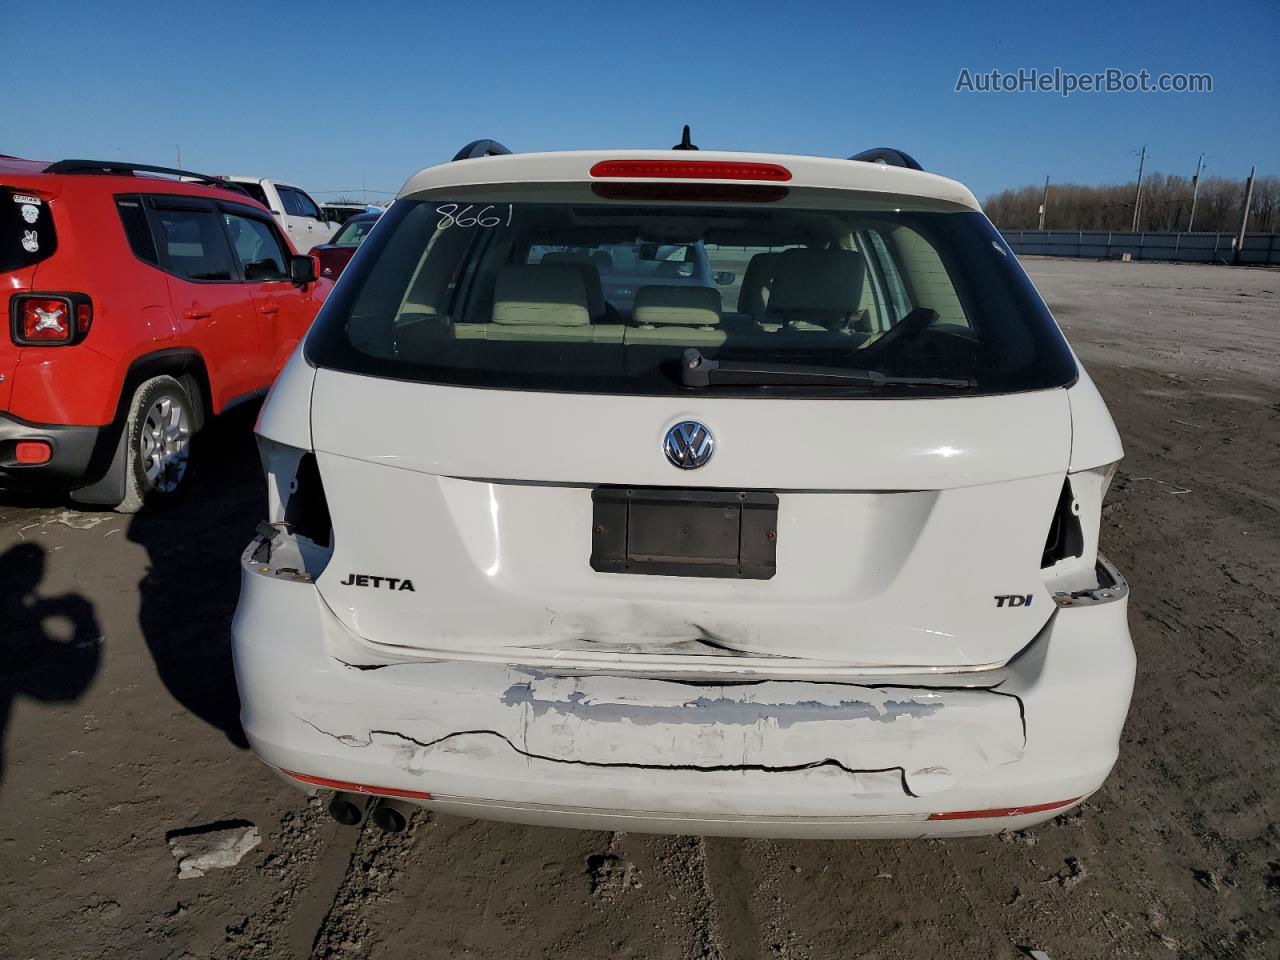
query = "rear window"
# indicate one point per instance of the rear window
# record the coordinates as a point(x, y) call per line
point(606, 296)
point(27, 235)
point(352, 233)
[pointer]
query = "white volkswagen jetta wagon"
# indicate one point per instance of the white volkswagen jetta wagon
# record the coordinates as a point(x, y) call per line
point(716, 493)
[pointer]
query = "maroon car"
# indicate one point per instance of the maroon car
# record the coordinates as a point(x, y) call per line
point(337, 253)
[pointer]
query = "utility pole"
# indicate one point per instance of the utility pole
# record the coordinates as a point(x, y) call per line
point(364, 189)
point(1195, 192)
point(1044, 202)
point(1244, 213)
point(1137, 197)
point(178, 147)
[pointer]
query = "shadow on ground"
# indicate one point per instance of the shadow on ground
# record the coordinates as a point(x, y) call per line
point(50, 647)
point(188, 596)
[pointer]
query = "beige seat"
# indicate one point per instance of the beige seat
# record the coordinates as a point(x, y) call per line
point(540, 302)
point(817, 289)
point(596, 305)
point(676, 316)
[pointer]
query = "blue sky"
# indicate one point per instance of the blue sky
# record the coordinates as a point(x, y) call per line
point(326, 94)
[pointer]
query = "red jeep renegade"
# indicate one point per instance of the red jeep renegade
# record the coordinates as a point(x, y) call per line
point(138, 305)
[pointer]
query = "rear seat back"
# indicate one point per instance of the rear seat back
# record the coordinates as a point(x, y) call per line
point(817, 289)
point(596, 305)
point(676, 315)
point(539, 302)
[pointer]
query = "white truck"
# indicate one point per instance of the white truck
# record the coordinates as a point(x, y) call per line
point(298, 215)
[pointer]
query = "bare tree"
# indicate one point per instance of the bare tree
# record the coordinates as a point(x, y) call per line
point(1166, 201)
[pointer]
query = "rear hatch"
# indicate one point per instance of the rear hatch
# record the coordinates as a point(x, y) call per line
point(891, 541)
point(482, 438)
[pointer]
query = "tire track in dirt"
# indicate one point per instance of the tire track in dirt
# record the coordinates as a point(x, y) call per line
point(373, 869)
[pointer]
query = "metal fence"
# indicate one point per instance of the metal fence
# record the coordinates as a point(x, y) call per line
point(1259, 248)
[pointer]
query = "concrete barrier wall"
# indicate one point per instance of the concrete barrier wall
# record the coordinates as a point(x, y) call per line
point(1259, 248)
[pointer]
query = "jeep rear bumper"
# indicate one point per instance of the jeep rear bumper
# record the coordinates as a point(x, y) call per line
point(775, 758)
point(75, 454)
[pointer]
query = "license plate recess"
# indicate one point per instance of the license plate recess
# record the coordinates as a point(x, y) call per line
point(684, 533)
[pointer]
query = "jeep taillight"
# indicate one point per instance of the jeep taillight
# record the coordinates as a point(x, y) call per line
point(50, 319)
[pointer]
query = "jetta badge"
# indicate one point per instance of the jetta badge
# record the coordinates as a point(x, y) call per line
point(689, 445)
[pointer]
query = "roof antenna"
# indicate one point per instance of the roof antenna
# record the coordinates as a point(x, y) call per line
point(684, 143)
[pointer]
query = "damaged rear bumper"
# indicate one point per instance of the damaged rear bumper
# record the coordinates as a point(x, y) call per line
point(779, 758)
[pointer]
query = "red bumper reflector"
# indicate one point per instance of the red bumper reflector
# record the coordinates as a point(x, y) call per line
point(690, 170)
point(346, 787)
point(1002, 811)
point(32, 452)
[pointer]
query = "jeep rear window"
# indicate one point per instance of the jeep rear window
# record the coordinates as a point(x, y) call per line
point(27, 235)
point(590, 295)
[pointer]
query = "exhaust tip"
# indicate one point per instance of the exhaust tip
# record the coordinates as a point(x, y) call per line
point(348, 812)
point(389, 819)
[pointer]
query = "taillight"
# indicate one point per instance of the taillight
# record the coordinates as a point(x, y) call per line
point(690, 170)
point(50, 319)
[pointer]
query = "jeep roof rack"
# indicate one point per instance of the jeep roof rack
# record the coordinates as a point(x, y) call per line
point(480, 148)
point(120, 168)
point(888, 156)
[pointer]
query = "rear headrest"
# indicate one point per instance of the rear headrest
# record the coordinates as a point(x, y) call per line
point(817, 280)
point(590, 277)
point(551, 295)
point(755, 282)
point(664, 306)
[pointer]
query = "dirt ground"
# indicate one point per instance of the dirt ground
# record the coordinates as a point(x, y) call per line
point(118, 727)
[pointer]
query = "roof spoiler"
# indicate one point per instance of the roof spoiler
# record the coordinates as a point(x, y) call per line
point(121, 169)
point(492, 148)
point(888, 156)
point(480, 148)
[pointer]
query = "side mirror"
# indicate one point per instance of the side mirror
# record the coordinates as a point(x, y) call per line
point(303, 270)
point(724, 278)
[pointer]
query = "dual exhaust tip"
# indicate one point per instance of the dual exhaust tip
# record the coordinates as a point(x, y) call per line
point(389, 816)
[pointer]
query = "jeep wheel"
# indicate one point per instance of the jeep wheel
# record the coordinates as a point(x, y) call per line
point(157, 444)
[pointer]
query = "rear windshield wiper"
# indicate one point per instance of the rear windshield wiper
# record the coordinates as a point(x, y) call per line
point(699, 371)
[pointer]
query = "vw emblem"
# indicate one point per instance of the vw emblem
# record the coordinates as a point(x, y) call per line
point(689, 445)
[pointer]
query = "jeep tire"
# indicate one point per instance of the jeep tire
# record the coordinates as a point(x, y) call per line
point(157, 444)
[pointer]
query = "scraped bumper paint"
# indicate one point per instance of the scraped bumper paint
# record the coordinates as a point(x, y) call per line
point(769, 758)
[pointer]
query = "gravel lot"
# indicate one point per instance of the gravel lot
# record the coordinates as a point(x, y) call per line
point(118, 728)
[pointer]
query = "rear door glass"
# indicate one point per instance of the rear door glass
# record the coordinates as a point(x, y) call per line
point(289, 198)
point(306, 206)
point(194, 243)
point(297, 203)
